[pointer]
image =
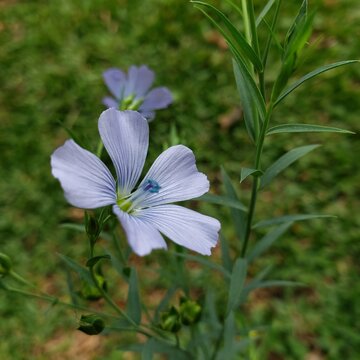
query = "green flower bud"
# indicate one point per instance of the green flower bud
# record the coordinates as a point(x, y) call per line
point(170, 320)
point(91, 292)
point(5, 264)
point(91, 324)
point(92, 227)
point(190, 311)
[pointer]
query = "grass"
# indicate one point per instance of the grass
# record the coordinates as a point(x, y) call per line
point(51, 59)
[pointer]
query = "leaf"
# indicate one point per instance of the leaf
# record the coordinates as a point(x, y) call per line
point(228, 351)
point(300, 128)
point(203, 261)
point(288, 218)
point(300, 17)
point(80, 270)
point(237, 281)
point(71, 226)
point(267, 241)
point(223, 200)
point(272, 283)
point(210, 309)
point(264, 11)
point(94, 260)
point(133, 306)
point(249, 108)
point(258, 284)
point(245, 172)
point(283, 162)
point(238, 216)
point(310, 75)
point(239, 43)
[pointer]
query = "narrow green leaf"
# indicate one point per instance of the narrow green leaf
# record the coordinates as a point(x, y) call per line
point(71, 226)
point(251, 115)
point(310, 75)
point(237, 41)
point(264, 11)
point(251, 85)
point(253, 30)
point(210, 309)
point(299, 19)
point(245, 172)
point(223, 200)
point(256, 284)
point(287, 218)
point(300, 128)
point(300, 38)
point(238, 216)
point(228, 350)
point(94, 260)
point(283, 162)
point(272, 283)
point(203, 261)
point(80, 270)
point(237, 281)
point(133, 306)
point(267, 241)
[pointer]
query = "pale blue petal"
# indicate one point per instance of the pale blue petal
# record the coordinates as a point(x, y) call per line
point(158, 98)
point(177, 176)
point(115, 80)
point(148, 115)
point(185, 227)
point(142, 236)
point(86, 181)
point(110, 102)
point(139, 81)
point(125, 135)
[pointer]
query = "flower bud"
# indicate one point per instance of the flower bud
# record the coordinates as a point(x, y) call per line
point(170, 320)
point(92, 227)
point(5, 264)
point(91, 324)
point(190, 311)
point(90, 291)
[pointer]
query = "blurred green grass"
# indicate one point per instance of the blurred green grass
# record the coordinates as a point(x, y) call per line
point(52, 55)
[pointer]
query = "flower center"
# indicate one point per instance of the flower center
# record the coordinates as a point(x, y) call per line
point(131, 202)
point(151, 186)
point(130, 103)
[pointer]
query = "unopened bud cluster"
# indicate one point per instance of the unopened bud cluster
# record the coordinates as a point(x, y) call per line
point(189, 313)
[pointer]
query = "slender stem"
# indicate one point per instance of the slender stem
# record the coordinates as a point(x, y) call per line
point(20, 279)
point(256, 182)
point(108, 299)
point(56, 301)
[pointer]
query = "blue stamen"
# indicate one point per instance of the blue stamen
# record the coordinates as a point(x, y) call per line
point(151, 186)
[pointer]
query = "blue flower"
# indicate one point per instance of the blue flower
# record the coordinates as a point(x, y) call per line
point(143, 211)
point(131, 91)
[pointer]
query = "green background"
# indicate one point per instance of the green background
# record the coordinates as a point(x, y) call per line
point(52, 54)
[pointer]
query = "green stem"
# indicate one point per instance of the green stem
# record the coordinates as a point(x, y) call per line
point(108, 299)
point(256, 182)
point(20, 279)
point(56, 301)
